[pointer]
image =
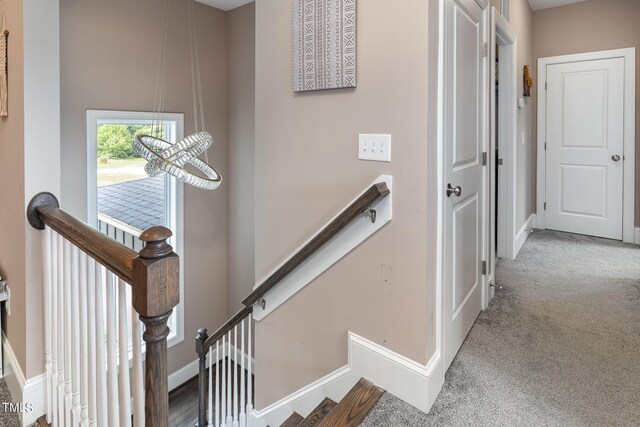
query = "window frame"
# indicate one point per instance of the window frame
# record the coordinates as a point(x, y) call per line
point(174, 189)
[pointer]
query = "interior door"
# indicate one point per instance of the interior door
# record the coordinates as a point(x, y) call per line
point(585, 141)
point(464, 174)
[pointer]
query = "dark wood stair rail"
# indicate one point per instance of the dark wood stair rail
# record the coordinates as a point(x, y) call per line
point(204, 341)
point(153, 274)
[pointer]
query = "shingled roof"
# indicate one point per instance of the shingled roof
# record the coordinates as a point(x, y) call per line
point(139, 203)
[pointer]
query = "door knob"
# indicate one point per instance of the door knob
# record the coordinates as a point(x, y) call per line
point(615, 158)
point(457, 191)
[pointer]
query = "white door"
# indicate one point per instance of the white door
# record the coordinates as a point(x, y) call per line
point(464, 144)
point(585, 141)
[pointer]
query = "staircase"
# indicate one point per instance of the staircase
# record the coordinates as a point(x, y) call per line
point(350, 412)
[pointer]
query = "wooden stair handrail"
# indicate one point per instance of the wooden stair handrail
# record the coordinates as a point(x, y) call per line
point(206, 341)
point(108, 252)
point(154, 276)
point(355, 210)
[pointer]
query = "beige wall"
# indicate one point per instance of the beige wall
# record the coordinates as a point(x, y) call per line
point(307, 169)
point(12, 186)
point(241, 153)
point(521, 22)
point(592, 26)
point(109, 56)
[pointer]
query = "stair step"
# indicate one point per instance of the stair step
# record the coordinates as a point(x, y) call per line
point(293, 420)
point(355, 406)
point(318, 414)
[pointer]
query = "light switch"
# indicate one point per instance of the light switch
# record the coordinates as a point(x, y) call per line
point(375, 147)
point(520, 102)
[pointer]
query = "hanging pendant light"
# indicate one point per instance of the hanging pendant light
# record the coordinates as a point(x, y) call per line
point(174, 158)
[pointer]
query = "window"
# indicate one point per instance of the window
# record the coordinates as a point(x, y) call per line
point(122, 200)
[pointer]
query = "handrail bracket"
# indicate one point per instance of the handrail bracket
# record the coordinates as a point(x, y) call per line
point(371, 214)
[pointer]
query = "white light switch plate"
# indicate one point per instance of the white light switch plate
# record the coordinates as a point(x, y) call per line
point(375, 147)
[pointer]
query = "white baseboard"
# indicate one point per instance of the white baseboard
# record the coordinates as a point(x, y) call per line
point(412, 382)
point(523, 234)
point(637, 236)
point(189, 371)
point(30, 393)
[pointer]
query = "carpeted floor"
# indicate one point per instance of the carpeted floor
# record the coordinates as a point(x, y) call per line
point(7, 419)
point(558, 346)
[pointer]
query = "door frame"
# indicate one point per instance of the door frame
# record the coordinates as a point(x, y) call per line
point(628, 197)
point(505, 136)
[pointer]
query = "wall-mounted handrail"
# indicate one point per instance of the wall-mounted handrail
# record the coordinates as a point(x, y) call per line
point(224, 384)
point(153, 274)
point(354, 211)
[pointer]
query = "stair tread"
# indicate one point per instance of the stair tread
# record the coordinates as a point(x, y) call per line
point(319, 413)
point(355, 406)
point(293, 420)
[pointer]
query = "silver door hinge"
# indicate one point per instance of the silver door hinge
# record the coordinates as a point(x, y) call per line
point(500, 162)
point(484, 268)
point(545, 206)
point(484, 50)
point(484, 159)
point(545, 146)
point(545, 86)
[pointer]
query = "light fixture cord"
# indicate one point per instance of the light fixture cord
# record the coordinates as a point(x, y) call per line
point(161, 76)
point(196, 80)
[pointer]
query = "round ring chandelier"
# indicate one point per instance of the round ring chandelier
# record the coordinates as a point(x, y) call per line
point(165, 157)
point(179, 159)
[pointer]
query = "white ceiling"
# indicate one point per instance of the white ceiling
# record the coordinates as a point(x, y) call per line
point(225, 4)
point(535, 4)
point(547, 4)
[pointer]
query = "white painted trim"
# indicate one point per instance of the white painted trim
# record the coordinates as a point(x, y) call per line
point(189, 371)
point(352, 236)
point(503, 35)
point(183, 375)
point(523, 235)
point(637, 236)
point(483, 3)
point(27, 392)
point(412, 382)
point(629, 55)
point(177, 206)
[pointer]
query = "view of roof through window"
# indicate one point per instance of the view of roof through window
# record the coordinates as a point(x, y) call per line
point(128, 200)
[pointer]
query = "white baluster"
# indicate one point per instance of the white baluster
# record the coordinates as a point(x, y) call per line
point(249, 369)
point(84, 345)
point(112, 363)
point(75, 331)
point(235, 376)
point(243, 404)
point(138, 373)
point(93, 368)
point(61, 332)
point(229, 382)
point(223, 390)
point(68, 346)
point(123, 343)
point(55, 266)
point(47, 272)
point(217, 393)
point(102, 408)
point(210, 409)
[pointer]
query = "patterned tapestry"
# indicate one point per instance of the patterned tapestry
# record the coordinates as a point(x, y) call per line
point(324, 44)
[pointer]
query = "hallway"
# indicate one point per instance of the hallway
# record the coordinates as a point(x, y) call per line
point(558, 346)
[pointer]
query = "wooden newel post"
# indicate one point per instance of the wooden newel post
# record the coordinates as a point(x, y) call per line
point(156, 291)
point(202, 376)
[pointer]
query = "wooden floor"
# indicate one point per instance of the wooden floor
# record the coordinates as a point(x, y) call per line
point(183, 402)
